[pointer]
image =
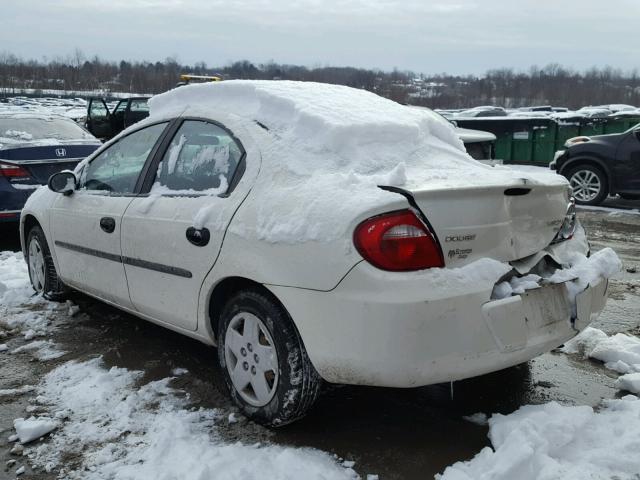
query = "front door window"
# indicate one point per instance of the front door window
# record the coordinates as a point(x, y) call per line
point(116, 169)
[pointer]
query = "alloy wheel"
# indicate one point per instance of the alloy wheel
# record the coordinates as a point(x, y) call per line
point(251, 359)
point(36, 265)
point(586, 185)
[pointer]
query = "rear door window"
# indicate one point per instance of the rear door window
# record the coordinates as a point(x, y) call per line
point(202, 158)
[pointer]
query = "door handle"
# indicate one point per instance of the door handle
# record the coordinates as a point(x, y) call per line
point(198, 236)
point(108, 224)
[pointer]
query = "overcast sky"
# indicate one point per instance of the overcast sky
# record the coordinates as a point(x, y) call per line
point(429, 36)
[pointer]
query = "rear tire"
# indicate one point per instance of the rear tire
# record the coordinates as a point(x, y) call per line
point(263, 360)
point(589, 184)
point(42, 271)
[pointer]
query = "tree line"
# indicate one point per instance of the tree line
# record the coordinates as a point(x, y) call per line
point(549, 85)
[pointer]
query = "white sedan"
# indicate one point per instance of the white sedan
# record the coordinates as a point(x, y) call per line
point(317, 232)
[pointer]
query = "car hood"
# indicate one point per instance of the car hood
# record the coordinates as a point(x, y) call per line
point(474, 136)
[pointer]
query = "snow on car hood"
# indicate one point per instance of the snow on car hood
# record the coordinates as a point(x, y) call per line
point(326, 148)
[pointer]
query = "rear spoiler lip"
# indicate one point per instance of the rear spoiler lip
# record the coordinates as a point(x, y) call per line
point(42, 161)
point(421, 215)
point(62, 143)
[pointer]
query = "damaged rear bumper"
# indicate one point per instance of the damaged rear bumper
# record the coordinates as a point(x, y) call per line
point(540, 315)
point(420, 328)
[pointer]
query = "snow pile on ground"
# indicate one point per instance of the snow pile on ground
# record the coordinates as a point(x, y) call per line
point(43, 350)
point(619, 352)
point(15, 288)
point(23, 312)
point(477, 418)
point(33, 428)
point(17, 391)
point(122, 431)
point(552, 441)
point(629, 382)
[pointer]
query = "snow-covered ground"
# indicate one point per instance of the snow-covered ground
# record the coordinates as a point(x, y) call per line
point(121, 427)
point(74, 108)
point(552, 441)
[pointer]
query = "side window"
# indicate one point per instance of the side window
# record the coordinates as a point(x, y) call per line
point(139, 106)
point(118, 167)
point(121, 107)
point(202, 157)
point(98, 109)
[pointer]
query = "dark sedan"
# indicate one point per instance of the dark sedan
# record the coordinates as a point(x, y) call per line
point(601, 165)
point(33, 146)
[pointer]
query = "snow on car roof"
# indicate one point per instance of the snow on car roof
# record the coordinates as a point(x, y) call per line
point(328, 147)
point(330, 114)
point(333, 128)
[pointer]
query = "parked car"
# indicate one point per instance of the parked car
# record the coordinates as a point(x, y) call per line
point(33, 146)
point(188, 78)
point(601, 165)
point(317, 232)
point(486, 111)
point(106, 124)
point(479, 144)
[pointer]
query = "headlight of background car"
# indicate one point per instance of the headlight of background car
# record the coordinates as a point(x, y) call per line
point(576, 140)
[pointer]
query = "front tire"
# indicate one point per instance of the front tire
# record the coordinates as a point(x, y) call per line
point(263, 360)
point(589, 184)
point(42, 272)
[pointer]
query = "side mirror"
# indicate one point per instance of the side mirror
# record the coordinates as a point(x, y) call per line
point(636, 132)
point(454, 123)
point(62, 182)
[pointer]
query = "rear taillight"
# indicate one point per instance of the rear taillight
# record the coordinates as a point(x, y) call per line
point(397, 241)
point(568, 227)
point(12, 171)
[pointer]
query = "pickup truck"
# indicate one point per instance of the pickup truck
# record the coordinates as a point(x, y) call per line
point(106, 124)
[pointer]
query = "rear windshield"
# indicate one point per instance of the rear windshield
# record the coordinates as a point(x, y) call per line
point(34, 129)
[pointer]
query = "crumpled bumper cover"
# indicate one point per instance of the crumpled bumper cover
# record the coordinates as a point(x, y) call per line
point(421, 328)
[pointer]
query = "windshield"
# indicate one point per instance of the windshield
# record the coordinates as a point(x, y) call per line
point(35, 128)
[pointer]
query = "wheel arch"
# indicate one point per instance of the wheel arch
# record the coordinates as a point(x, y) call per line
point(28, 222)
point(589, 160)
point(225, 289)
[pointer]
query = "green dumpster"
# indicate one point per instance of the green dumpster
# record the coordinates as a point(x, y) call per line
point(622, 122)
point(592, 126)
point(616, 124)
point(515, 137)
point(522, 146)
point(544, 143)
point(503, 146)
point(567, 127)
point(499, 126)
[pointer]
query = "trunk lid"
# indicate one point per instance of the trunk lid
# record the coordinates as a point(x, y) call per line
point(42, 161)
point(506, 221)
